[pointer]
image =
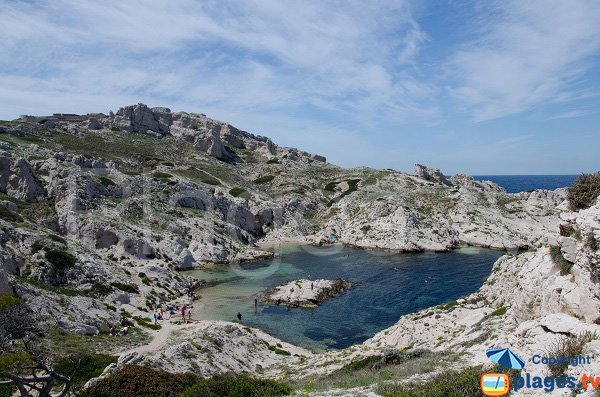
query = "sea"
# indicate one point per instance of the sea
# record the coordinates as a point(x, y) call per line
point(525, 183)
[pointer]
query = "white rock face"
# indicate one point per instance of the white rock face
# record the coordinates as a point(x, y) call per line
point(305, 293)
point(431, 174)
point(17, 180)
point(140, 118)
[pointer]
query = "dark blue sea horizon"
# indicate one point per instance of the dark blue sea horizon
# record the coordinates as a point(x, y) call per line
point(524, 183)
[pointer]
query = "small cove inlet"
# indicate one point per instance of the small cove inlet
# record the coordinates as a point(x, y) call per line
point(385, 287)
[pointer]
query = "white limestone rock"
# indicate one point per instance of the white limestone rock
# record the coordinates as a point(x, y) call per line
point(17, 179)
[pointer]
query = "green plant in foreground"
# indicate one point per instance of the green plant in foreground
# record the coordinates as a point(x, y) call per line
point(137, 381)
point(463, 383)
point(584, 192)
point(558, 259)
point(232, 385)
point(83, 367)
point(568, 346)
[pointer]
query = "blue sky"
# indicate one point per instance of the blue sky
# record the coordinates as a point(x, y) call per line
point(486, 87)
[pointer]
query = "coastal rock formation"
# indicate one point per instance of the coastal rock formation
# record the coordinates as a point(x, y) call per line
point(140, 118)
point(121, 212)
point(305, 293)
point(431, 174)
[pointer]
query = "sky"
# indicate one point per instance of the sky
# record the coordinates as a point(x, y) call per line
point(483, 87)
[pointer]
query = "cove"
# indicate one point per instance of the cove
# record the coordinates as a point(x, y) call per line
point(385, 287)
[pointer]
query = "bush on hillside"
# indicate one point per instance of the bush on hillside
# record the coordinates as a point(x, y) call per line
point(137, 381)
point(463, 383)
point(584, 192)
point(232, 385)
point(83, 367)
point(264, 179)
point(61, 260)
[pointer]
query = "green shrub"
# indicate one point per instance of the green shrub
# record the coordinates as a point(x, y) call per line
point(274, 160)
point(232, 385)
point(168, 163)
point(131, 288)
point(237, 191)
point(559, 260)
point(136, 381)
point(448, 305)
point(145, 322)
point(279, 351)
point(501, 311)
point(355, 365)
point(106, 181)
point(61, 260)
point(57, 238)
point(463, 383)
point(584, 192)
point(8, 215)
point(568, 346)
point(101, 289)
point(264, 179)
point(211, 181)
point(7, 391)
point(8, 301)
point(162, 175)
point(330, 187)
point(83, 367)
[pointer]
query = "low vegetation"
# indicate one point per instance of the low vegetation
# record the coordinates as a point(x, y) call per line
point(584, 192)
point(559, 260)
point(83, 367)
point(463, 383)
point(237, 191)
point(230, 385)
point(60, 259)
point(378, 369)
point(568, 346)
point(264, 179)
point(134, 381)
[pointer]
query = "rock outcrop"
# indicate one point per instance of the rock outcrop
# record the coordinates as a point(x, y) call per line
point(305, 293)
point(17, 179)
point(140, 118)
point(431, 174)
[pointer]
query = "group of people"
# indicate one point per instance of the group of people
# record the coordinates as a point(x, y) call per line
point(121, 330)
point(168, 310)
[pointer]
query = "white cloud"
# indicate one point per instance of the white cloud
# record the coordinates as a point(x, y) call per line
point(526, 54)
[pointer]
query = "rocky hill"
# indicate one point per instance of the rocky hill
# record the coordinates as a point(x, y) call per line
point(99, 213)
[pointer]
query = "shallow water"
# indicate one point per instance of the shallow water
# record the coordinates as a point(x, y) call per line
point(386, 286)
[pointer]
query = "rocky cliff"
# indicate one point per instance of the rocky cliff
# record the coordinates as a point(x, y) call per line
point(99, 213)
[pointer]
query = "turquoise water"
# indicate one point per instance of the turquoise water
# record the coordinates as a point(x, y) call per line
point(386, 286)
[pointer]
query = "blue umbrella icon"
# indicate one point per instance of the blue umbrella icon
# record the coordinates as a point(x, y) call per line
point(505, 358)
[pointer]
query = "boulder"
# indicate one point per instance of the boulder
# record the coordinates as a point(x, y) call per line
point(305, 293)
point(140, 118)
point(431, 174)
point(568, 248)
point(17, 179)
